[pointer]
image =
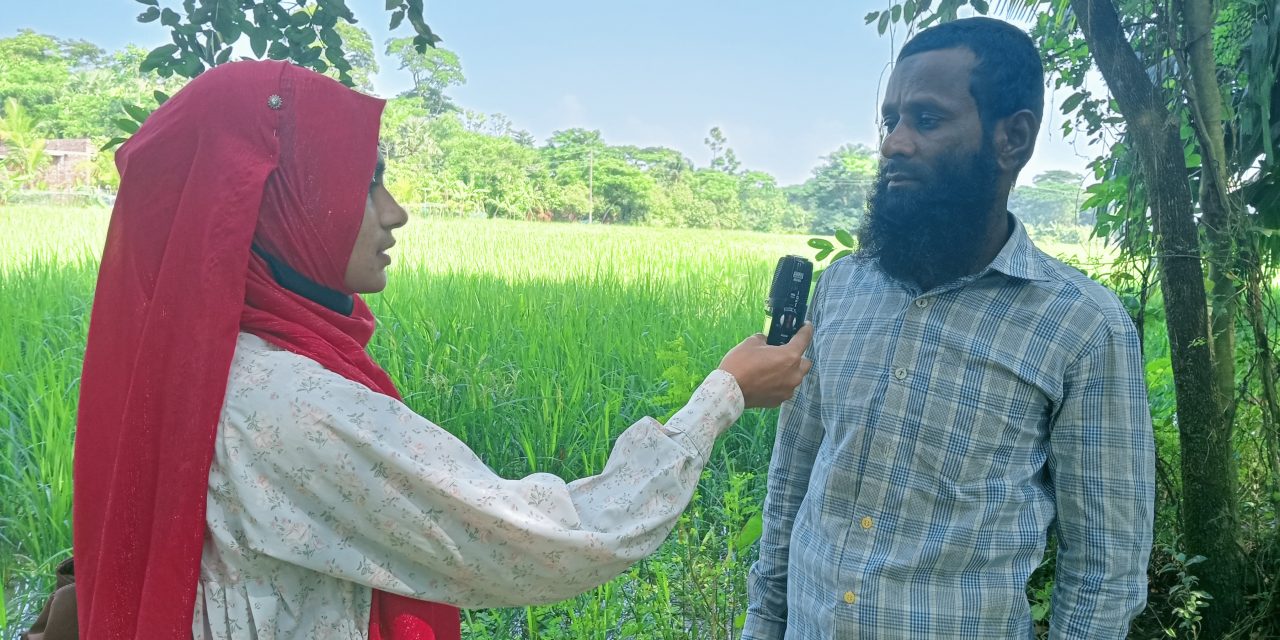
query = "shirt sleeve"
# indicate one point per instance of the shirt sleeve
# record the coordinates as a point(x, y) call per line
point(1102, 463)
point(795, 446)
point(344, 481)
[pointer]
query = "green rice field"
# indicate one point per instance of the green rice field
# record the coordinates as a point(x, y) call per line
point(534, 343)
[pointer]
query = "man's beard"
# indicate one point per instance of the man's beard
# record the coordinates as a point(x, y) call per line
point(934, 232)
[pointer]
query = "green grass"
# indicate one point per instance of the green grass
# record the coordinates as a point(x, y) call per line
point(534, 343)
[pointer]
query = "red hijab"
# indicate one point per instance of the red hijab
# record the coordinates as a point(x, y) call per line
point(249, 153)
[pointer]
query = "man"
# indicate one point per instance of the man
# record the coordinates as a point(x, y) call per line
point(969, 394)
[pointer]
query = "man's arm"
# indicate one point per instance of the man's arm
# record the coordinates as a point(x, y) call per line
point(795, 446)
point(1102, 462)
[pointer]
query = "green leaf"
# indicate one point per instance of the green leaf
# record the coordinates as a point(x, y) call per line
point(112, 143)
point(980, 6)
point(822, 255)
point(170, 18)
point(873, 16)
point(160, 96)
point(190, 66)
point(258, 44)
point(223, 56)
point(278, 51)
point(392, 4)
point(136, 112)
point(330, 38)
point(846, 252)
point(126, 125)
point(1073, 101)
point(300, 19)
point(337, 8)
point(750, 533)
point(158, 59)
point(397, 18)
point(149, 2)
point(149, 15)
point(844, 237)
point(820, 243)
point(909, 10)
point(228, 29)
point(897, 12)
point(884, 22)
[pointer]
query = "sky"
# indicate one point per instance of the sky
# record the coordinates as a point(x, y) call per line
point(786, 82)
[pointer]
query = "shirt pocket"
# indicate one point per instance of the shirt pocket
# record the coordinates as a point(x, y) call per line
point(981, 424)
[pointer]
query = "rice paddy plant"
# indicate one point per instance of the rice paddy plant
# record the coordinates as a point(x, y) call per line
point(536, 344)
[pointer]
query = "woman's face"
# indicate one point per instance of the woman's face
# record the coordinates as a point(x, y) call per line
point(367, 267)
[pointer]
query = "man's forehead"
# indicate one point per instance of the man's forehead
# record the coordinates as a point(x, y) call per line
point(937, 75)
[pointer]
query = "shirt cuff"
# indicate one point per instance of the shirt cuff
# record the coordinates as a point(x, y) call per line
point(760, 628)
point(714, 407)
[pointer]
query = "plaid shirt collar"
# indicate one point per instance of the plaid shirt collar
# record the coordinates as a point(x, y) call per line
point(1019, 258)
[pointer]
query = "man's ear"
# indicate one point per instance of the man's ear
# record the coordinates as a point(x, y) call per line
point(1015, 140)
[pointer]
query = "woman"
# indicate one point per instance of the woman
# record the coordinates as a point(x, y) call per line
point(244, 469)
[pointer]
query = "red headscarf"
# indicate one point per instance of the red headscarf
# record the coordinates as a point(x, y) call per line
point(249, 153)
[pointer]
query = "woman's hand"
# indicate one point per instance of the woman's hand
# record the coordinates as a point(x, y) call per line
point(769, 375)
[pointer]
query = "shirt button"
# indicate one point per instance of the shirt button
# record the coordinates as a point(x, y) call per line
point(866, 522)
point(922, 303)
point(900, 373)
point(850, 597)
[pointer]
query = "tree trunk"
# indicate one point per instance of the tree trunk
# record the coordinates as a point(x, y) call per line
point(1218, 215)
point(1209, 508)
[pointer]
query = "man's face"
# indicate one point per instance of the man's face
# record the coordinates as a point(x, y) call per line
point(928, 215)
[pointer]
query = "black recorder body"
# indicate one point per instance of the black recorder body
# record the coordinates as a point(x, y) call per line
point(788, 298)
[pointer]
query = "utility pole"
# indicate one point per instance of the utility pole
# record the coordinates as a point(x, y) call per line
point(591, 184)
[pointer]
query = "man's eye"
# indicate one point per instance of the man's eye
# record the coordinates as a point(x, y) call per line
point(888, 124)
point(928, 122)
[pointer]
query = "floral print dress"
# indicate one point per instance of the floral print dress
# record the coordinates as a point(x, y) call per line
point(322, 490)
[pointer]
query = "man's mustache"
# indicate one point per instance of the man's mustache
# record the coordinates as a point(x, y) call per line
point(900, 170)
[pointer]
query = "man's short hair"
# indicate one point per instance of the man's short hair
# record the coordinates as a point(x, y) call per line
point(1008, 77)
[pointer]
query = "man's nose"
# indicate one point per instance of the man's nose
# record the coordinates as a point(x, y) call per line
point(897, 143)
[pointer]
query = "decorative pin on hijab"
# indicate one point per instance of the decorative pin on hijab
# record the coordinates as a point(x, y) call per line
point(274, 102)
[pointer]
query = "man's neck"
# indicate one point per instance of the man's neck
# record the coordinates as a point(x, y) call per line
point(998, 229)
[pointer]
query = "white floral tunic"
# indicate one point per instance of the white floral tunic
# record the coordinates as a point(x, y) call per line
point(322, 489)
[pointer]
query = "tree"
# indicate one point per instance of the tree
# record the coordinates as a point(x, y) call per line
point(203, 37)
point(667, 166)
point(97, 94)
point(722, 157)
point(26, 155)
point(359, 49)
point(35, 70)
point(433, 71)
point(720, 190)
point(765, 207)
point(836, 194)
point(204, 34)
point(1052, 199)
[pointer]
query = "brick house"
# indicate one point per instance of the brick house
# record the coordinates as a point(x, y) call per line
point(70, 164)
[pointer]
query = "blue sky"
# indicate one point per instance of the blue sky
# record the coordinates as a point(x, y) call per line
point(787, 82)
